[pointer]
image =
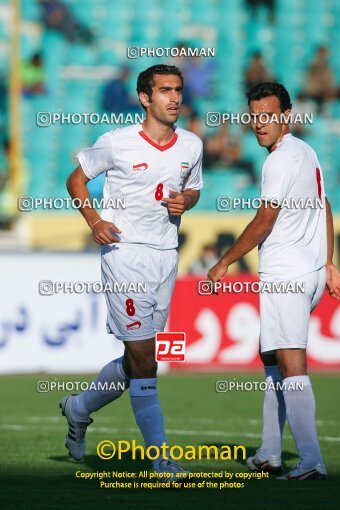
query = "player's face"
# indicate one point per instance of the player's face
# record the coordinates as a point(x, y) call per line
point(166, 98)
point(267, 133)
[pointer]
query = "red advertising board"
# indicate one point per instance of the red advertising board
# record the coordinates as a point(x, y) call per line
point(222, 330)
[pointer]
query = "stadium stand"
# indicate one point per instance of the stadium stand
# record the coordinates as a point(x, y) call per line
point(76, 73)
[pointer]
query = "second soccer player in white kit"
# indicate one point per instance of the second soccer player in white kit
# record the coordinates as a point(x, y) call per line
point(295, 246)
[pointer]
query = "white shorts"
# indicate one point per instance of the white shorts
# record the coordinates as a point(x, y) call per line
point(140, 309)
point(284, 317)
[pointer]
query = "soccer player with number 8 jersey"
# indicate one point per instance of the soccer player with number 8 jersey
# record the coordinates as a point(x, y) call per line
point(156, 167)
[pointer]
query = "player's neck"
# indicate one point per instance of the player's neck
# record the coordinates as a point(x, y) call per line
point(157, 132)
point(273, 147)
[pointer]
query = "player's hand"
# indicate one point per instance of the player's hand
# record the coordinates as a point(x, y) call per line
point(103, 232)
point(217, 272)
point(333, 281)
point(177, 203)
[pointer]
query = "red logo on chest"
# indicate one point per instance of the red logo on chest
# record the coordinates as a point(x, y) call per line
point(139, 167)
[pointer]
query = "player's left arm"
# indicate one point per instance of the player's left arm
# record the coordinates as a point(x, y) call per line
point(254, 234)
point(332, 272)
point(178, 203)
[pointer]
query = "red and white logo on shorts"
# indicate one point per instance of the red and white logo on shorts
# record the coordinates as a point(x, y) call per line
point(170, 346)
point(139, 167)
point(133, 325)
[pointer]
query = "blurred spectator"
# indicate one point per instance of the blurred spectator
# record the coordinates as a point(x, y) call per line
point(3, 92)
point(187, 108)
point(302, 106)
point(116, 97)
point(195, 125)
point(56, 16)
point(8, 203)
point(207, 259)
point(257, 72)
point(4, 155)
point(223, 150)
point(320, 81)
point(32, 74)
point(256, 4)
point(179, 61)
point(198, 77)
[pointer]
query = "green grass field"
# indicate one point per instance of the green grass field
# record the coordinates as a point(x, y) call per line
point(37, 473)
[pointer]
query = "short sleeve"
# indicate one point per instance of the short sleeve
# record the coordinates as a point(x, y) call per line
point(97, 159)
point(194, 179)
point(278, 177)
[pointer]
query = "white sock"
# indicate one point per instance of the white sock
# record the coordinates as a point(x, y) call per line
point(93, 399)
point(148, 413)
point(300, 405)
point(274, 418)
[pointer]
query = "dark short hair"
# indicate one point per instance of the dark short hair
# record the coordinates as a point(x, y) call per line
point(145, 80)
point(270, 89)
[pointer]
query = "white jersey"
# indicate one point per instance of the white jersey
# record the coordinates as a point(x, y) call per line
point(297, 245)
point(139, 174)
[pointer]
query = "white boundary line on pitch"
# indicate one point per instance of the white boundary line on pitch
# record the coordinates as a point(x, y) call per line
point(213, 433)
point(250, 421)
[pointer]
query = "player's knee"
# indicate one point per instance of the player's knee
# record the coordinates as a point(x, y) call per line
point(126, 365)
point(293, 371)
point(141, 359)
point(292, 362)
point(146, 369)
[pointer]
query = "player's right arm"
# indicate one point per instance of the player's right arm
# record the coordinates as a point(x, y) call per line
point(333, 273)
point(277, 178)
point(102, 231)
point(254, 234)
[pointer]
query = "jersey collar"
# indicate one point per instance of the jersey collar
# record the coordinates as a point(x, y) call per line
point(154, 144)
point(282, 140)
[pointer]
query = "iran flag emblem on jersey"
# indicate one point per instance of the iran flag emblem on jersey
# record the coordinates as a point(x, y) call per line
point(184, 168)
